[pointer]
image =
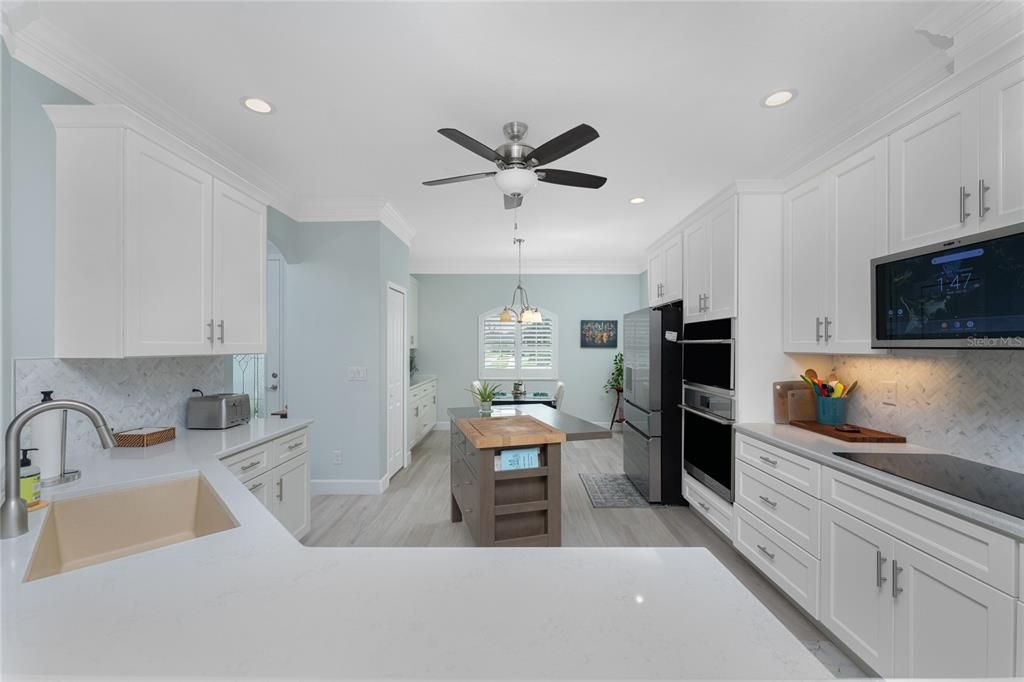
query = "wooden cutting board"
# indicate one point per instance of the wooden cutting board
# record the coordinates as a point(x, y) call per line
point(501, 432)
point(865, 435)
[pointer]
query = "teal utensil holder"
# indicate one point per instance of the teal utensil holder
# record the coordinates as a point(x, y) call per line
point(831, 411)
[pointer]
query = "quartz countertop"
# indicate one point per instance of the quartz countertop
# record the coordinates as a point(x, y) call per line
point(822, 449)
point(420, 379)
point(254, 602)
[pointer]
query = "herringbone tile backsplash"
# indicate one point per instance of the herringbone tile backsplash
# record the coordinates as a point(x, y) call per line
point(966, 403)
point(130, 393)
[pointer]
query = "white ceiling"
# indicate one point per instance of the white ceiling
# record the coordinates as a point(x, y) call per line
point(360, 88)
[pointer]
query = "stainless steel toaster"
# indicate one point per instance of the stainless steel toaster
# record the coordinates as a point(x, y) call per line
point(218, 411)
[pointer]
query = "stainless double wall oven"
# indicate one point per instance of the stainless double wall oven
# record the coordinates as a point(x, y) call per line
point(709, 403)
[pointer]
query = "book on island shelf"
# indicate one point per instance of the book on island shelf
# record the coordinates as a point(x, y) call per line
point(520, 458)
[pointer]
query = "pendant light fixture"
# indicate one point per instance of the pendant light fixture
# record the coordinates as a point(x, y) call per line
point(526, 313)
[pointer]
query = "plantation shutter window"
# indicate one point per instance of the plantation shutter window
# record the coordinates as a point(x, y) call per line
point(510, 350)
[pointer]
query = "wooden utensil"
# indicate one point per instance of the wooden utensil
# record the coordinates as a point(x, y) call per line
point(849, 389)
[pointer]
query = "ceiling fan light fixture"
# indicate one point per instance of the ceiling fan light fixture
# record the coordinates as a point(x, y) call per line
point(507, 315)
point(513, 181)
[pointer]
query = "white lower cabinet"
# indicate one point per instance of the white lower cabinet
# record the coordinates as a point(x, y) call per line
point(277, 474)
point(422, 410)
point(716, 511)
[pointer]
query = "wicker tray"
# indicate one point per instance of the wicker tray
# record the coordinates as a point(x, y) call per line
point(144, 437)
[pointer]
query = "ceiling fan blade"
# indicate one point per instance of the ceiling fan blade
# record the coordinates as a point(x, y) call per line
point(566, 143)
point(458, 178)
point(478, 148)
point(513, 202)
point(571, 178)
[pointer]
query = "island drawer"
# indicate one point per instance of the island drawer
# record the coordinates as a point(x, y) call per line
point(791, 512)
point(250, 463)
point(797, 471)
point(793, 570)
point(292, 445)
point(717, 511)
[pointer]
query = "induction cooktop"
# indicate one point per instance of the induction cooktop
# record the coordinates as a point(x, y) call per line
point(989, 486)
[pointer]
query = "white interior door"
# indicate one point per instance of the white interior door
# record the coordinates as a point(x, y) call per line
point(396, 378)
point(273, 370)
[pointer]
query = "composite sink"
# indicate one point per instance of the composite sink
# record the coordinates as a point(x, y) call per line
point(93, 529)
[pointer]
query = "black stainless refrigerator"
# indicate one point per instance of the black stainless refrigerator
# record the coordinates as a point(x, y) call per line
point(652, 388)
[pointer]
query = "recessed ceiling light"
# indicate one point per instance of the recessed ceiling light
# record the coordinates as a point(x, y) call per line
point(637, 200)
point(778, 98)
point(260, 106)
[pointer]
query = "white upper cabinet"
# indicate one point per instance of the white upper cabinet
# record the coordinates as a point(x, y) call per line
point(696, 269)
point(665, 273)
point(168, 253)
point(239, 271)
point(1001, 100)
point(833, 226)
point(709, 250)
point(933, 176)
point(805, 251)
point(156, 255)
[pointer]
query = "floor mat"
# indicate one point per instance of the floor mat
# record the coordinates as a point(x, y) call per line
point(612, 490)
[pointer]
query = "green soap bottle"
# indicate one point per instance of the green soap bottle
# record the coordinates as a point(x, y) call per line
point(29, 477)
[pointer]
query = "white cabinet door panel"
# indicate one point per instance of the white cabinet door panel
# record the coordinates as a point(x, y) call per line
point(168, 260)
point(290, 492)
point(655, 278)
point(239, 272)
point(948, 624)
point(856, 599)
point(696, 270)
point(930, 160)
point(805, 250)
point(1002, 148)
point(721, 295)
point(673, 256)
point(858, 229)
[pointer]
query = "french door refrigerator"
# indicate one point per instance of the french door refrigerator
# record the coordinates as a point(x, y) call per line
point(652, 389)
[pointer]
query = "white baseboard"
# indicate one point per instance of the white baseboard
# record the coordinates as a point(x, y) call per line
point(343, 486)
point(443, 426)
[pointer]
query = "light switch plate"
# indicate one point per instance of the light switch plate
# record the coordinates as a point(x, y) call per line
point(357, 374)
point(889, 393)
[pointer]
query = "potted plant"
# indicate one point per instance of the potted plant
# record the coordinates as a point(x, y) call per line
point(485, 393)
point(614, 383)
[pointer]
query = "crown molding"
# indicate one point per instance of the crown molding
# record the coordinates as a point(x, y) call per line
point(973, 30)
point(357, 209)
point(44, 48)
point(473, 266)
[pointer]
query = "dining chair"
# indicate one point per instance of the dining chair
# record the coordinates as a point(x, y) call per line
point(476, 395)
point(559, 395)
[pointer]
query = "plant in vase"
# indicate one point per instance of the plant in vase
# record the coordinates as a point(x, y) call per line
point(485, 394)
point(614, 383)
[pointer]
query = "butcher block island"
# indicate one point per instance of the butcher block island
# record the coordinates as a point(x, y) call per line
point(506, 473)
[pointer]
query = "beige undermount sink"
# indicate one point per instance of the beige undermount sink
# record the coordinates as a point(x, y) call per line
point(89, 530)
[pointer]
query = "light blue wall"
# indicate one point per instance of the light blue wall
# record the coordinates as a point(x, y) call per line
point(280, 229)
point(33, 208)
point(337, 274)
point(643, 299)
point(450, 306)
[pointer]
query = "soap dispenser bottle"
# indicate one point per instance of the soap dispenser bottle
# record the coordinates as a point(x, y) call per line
point(46, 437)
point(29, 477)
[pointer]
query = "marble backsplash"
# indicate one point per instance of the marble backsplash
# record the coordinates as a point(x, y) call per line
point(130, 393)
point(966, 403)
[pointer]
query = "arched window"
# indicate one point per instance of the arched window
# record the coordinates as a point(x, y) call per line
point(510, 350)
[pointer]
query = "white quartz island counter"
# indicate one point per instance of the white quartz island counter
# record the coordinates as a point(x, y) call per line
point(253, 602)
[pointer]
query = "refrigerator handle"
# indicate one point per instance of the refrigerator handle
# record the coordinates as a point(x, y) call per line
point(628, 380)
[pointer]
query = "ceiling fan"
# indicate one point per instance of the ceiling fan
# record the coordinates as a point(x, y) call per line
point(518, 163)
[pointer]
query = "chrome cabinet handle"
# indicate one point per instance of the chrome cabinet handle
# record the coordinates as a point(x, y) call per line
point(703, 506)
point(964, 215)
point(879, 560)
point(210, 325)
point(769, 502)
point(828, 323)
point(295, 445)
point(764, 550)
point(770, 461)
point(220, 325)
point(256, 487)
point(416, 411)
point(252, 464)
point(817, 330)
point(434, 400)
point(280, 490)
point(896, 570)
point(982, 188)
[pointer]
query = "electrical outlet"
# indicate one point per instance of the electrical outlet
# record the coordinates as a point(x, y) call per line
point(337, 457)
point(889, 393)
point(357, 374)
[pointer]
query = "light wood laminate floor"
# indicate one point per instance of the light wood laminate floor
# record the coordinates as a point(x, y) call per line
point(414, 512)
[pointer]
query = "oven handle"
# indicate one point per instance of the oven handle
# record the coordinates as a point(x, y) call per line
point(708, 415)
point(707, 341)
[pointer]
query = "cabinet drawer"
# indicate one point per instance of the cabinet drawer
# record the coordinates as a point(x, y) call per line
point(791, 512)
point(249, 463)
point(793, 570)
point(291, 446)
point(717, 511)
point(795, 470)
point(979, 552)
point(260, 487)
